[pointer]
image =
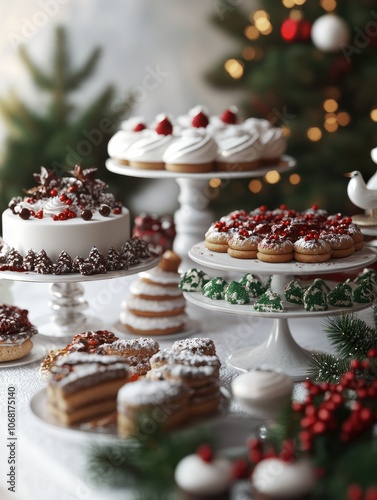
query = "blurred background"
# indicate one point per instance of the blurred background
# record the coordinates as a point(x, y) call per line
point(72, 70)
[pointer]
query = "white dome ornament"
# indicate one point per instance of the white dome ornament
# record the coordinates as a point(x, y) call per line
point(329, 33)
point(363, 197)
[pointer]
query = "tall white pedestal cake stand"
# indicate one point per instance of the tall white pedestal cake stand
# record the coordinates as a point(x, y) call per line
point(194, 217)
point(280, 351)
point(67, 302)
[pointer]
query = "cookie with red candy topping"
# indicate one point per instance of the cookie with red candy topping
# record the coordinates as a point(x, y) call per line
point(243, 245)
point(274, 248)
point(312, 249)
point(341, 244)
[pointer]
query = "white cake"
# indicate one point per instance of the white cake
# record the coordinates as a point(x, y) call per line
point(75, 236)
point(71, 214)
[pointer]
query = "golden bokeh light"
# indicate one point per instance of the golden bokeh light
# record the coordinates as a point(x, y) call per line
point(262, 24)
point(296, 15)
point(300, 2)
point(343, 118)
point(249, 53)
point(330, 118)
point(234, 67)
point(272, 177)
point(259, 14)
point(251, 32)
point(373, 115)
point(328, 5)
point(215, 182)
point(288, 3)
point(314, 134)
point(295, 179)
point(330, 105)
point(331, 127)
point(255, 186)
point(286, 131)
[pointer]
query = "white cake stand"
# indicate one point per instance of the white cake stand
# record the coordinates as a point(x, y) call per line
point(67, 300)
point(280, 351)
point(194, 217)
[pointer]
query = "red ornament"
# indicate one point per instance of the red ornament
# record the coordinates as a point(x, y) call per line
point(240, 469)
point(296, 30)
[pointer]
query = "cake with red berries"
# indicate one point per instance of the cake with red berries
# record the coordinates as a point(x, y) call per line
point(68, 224)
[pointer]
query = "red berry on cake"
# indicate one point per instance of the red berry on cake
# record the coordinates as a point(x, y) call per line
point(139, 127)
point(164, 126)
point(200, 120)
point(230, 115)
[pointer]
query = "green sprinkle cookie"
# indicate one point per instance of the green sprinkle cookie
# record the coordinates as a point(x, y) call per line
point(193, 280)
point(293, 292)
point(215, 288)
point(235, 293)
point(340, 296)
point(269, 302)
point(253, 285)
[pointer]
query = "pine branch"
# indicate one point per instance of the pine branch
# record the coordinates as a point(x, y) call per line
point(78, 77)
point(327, 368)
point(39, 76)
point(20, 117)
point(351, 336)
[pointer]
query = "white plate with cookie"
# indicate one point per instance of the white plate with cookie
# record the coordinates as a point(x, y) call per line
point(40, 349)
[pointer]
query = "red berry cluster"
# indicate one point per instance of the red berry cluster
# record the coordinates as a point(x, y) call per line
point(332, 413)
point(67, 214)
point(355, 492)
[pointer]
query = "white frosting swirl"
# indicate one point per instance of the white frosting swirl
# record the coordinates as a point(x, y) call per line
point(150, 148)
point(55, 206)
point(194, 475)
point(152, 323)
point(274, 477)
point(138, 304)
point(140, 287)
point(122, 140)
point(261, 385)
point(194, 146)
point(256, 125)
point(38, 205)
point(274, 143)
point(238, 146)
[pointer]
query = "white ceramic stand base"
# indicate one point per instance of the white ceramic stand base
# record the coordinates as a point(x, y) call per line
point(67, 300)
point(194, 217)
point(279, 351)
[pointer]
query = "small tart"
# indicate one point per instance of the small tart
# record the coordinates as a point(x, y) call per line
point(215, 288)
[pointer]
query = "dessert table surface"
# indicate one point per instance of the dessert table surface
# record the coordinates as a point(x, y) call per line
point(51, 464)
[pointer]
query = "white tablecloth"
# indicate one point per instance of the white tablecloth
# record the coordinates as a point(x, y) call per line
point(51, 465)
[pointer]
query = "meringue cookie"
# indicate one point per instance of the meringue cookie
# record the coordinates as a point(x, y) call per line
point(238, 150)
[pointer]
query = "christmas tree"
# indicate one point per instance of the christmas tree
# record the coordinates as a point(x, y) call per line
point(60, 135)
point(308, 66)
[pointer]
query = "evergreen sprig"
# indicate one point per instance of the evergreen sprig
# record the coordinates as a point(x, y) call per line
point(352, 338)
point(145, 463)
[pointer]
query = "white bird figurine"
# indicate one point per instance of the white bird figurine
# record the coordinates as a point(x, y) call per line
point(358, 192)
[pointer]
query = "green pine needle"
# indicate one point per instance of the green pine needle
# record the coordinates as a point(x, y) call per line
point(327, 368)
point(351, 336)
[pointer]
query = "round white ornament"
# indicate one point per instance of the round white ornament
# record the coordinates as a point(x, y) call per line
point(330, 32)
